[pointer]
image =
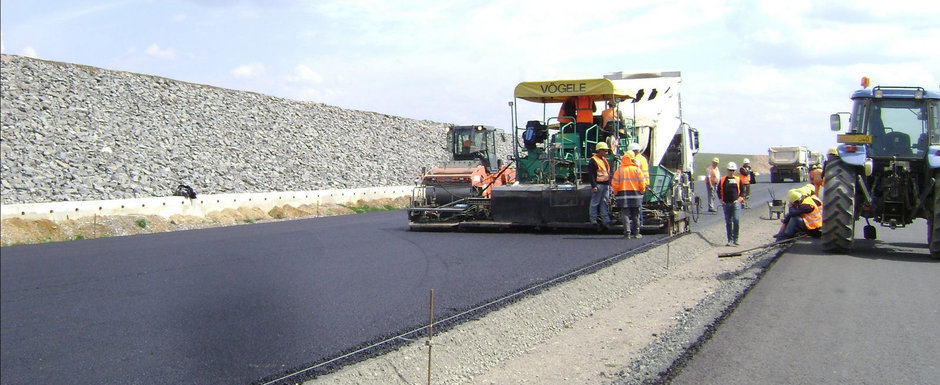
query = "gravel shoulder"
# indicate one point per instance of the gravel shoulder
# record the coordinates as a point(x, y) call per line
point(626, 323)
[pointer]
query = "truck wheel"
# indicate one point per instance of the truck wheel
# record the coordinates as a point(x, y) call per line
point(838, 230)
point(933, 224)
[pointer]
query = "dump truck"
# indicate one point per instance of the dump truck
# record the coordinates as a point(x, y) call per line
point(888, 166)
point(789, 162)
point(550, 156)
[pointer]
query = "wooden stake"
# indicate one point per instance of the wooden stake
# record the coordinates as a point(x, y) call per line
point(430, 333)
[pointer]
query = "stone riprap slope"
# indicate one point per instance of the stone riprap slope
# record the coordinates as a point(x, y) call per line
point(72, 132)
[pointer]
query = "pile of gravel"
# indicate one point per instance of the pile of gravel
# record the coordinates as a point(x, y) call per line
point(72, 133)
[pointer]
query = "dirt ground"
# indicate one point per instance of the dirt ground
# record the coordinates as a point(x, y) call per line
point(16, 231)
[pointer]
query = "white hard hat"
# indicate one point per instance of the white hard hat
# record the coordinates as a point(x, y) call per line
point(732, 166)
point(634, 147)
point(746, 161)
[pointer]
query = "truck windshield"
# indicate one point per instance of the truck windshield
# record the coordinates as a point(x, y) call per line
point(899, 127)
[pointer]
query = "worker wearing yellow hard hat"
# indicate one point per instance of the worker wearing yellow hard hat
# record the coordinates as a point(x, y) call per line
point(804, 215)
point(599, 173)
point(712, 174)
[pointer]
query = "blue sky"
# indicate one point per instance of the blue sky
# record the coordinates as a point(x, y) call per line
point(755, 73)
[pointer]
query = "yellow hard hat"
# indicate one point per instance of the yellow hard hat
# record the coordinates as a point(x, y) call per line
point(629, 155)
point(808, 189)
point(601, 146)
point(715, 160)
point(794, 195)
point(834, 151)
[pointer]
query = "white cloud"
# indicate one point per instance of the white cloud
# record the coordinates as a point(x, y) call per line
point(247, 71)
point(305, 74)
point(155, 51)
point(29, 51)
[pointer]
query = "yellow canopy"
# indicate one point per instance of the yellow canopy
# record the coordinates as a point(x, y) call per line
point(556, 91)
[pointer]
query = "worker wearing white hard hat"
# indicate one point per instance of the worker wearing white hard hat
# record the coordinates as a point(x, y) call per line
point(641, 160)
point(746, 176)
point(712, 174)
point(729, 192)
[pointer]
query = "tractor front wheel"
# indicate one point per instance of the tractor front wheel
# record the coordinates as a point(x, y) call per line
point(838, 230)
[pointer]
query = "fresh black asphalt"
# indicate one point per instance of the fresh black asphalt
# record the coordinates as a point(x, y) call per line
point(252, 302)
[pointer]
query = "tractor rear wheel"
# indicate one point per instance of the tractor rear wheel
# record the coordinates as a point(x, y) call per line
point(838, 229)
point(933, 237)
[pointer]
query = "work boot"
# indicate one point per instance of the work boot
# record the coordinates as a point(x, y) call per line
point(728, 243)
point(736, 243)
point(638, 235)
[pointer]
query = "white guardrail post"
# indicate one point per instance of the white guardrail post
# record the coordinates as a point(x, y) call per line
point(199, 207)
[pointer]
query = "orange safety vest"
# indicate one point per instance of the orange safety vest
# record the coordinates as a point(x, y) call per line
point(813, 219)
point(603, 168)
point(628, 178)
point(721, 187)
point(585, 106)
point(745, 179)
point(610, 115)
point(562, 113)
point(713, 174)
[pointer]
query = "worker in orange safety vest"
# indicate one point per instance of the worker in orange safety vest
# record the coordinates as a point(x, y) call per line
point(599, 175)
point(804, 216)
point(816, 177)
point(712, 173)
point(629, 186)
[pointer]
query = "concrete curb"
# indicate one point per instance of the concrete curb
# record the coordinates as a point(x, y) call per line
point(202, 205)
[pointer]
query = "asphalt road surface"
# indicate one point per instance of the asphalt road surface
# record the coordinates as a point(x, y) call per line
point(252, 302)
point(866, 317)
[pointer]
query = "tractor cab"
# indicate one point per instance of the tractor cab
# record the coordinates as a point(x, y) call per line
point(892, 121)
point(474, 143)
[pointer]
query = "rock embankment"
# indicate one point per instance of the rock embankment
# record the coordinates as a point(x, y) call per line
point(72, 132)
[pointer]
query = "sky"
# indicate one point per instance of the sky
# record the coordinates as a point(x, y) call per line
point(755, 73)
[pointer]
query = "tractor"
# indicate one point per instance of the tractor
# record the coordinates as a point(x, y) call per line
point(887, 167)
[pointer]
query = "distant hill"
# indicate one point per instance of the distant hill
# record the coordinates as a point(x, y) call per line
point(759, 163)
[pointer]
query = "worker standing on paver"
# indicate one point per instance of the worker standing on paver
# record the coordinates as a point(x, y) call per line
point(746, 176)
point(711, 181)
point(804, 216)
point(729, 191)
point(629, 186)
point(599, 174)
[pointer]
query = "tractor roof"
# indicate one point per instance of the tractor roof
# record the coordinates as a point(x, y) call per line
point(556, 91)
point(895, 93)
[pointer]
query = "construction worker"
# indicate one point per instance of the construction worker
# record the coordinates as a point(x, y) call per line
point(712, 174)
point(745, 175)
point(641, 160)
point(816, 177)
point(584, 116)
point(804, 216)
point(809, 190)
point(729, 191)
point(568, 110)
point(629, 186)
point(599, 174)
point(612, 124)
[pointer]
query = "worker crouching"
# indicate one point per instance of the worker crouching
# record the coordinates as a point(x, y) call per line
point(629, 185)
point(804, 216)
